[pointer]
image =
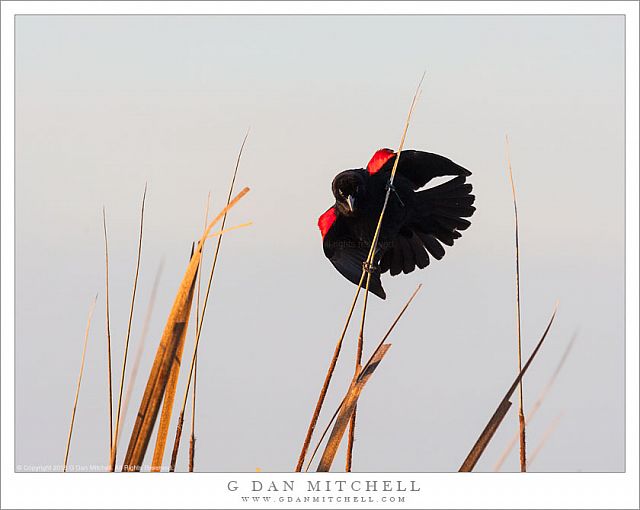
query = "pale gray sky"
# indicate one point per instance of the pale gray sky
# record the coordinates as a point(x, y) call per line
point(106, 103)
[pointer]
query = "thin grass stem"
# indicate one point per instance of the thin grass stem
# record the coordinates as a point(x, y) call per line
point(521, 418)
point(192, 440)
point(496, 419)
point(369, 262)
point(114, 449)
point(536, 405)
point(545, 438)
point(173, 335)
point(140, 349)
point(384, 339)
point(176, 444)
point(75, 401)
point(109, 375)
point(336, 352)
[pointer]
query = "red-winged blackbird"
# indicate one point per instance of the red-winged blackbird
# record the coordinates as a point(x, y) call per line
point(415, 223)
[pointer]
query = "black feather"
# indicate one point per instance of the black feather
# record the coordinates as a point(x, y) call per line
point(422, 259)
point(434, 247)
point(408, 259)
point(397, 261)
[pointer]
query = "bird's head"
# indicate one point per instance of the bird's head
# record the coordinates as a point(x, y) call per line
point(349, 189)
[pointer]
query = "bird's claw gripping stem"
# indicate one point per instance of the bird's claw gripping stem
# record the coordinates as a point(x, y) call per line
point(370, 267)
point(392, 188)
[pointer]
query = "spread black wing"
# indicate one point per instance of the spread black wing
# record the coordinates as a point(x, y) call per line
point(420, 167)
point(439, 213)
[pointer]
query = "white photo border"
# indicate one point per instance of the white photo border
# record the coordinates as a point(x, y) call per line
point(215, 490)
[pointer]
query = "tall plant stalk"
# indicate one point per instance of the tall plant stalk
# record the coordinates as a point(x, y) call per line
point(114, 449)
point(176, 443)
point(109, 375)
point(75, 401)
point(367, 264)
point(521, 419)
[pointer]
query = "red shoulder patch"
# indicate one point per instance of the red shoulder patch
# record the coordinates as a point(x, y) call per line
point(379, 159)
point(327, 219)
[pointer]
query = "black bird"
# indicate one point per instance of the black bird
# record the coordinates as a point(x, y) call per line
point(416, 222)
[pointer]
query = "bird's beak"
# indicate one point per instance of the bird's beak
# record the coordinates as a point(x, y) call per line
point(351, 201)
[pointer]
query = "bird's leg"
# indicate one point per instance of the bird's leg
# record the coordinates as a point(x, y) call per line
point(391, 187)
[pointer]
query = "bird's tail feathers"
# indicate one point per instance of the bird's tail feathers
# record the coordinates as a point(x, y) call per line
point(442, 211)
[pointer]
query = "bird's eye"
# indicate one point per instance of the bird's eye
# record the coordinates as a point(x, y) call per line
point(341, 193)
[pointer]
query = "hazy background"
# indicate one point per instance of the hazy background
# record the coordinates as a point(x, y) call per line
point(106, 103)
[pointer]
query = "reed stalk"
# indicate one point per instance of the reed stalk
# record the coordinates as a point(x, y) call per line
point(521, 418)
point(175, 328)
point(536, 405)
point(192, 439)
point(114, 449)
point(140, 349)
point(109, 376)
point(176, 443)
point(384, 338)
point(75, 401)
point(496, 419)
point(368, 262)
point(348, 407)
